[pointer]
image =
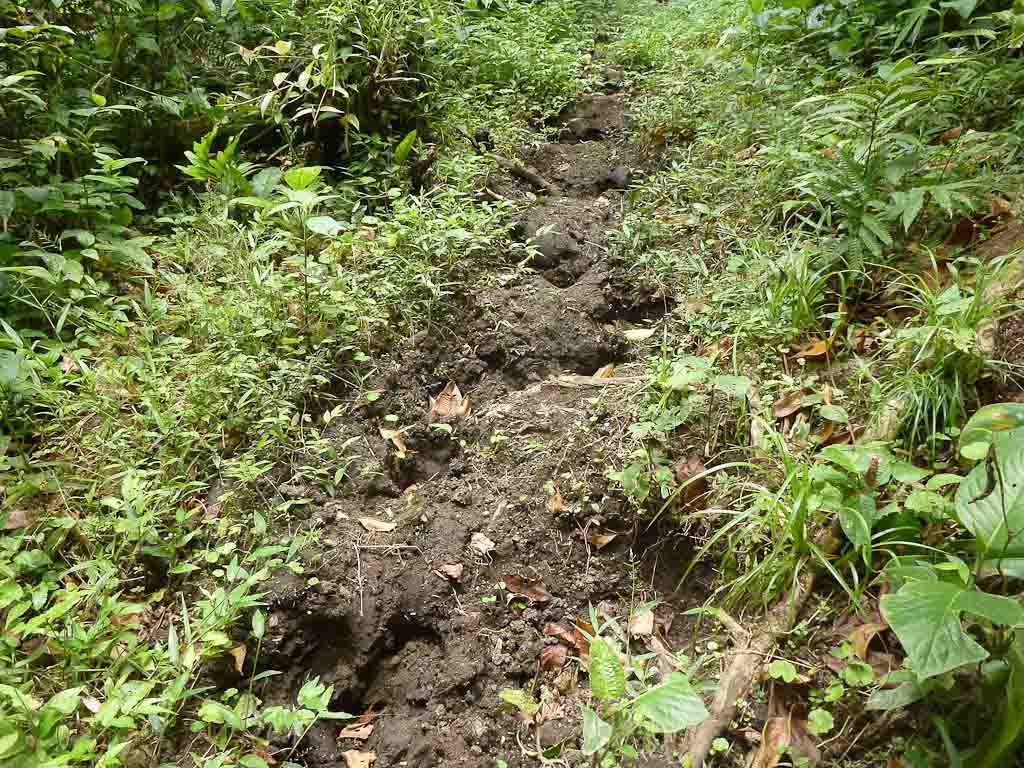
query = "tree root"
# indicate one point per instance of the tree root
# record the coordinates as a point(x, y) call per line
point(743, 670)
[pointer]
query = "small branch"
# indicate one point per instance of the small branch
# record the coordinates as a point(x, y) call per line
point(523, 173)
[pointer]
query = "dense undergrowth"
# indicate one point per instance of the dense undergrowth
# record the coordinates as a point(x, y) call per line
point(826, 180)
point(834, 174)
point(165, 326)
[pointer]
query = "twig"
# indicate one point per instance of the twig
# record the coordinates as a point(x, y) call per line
point(572, 380)
point(523, 173)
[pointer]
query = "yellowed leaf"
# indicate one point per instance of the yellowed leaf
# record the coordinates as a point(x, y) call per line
point(360, 731)
point(638, 334)
point(450, 402)
point(605, 372)
point(394, 436)
point(816, 348)
point(951, 135)
point(238, 654)
point(556, 503)
point(453, 571)
point(601, 540)
point(356, 759)
point(862, 636)
point(377, 526)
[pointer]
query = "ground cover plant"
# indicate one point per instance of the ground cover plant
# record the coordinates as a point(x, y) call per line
point(505, 383)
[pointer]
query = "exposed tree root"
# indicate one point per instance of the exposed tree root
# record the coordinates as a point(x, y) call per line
point(743, 670)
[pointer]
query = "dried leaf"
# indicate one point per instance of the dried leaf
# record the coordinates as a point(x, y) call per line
point(377, 526)
point(1000, 207)
point(532, 589)
point(641, 624)
point(817, 348)
point(355, 759)
point(638, 334)
point(238, 654)
point(453, 571)
point(553, 657)
point(550, 709)
point(605, 372)
point(600, 540)
point(862, 636)
point(556, 503)
point(91, 703)
point(687, 473)
point(480, 544)
point(68, 365)
point(562, 632)
point(16, 518)
point(396, 439)
point(787, 405)
point(360, 731)
point(776, 736)
point(450, 403)
point(951, 135)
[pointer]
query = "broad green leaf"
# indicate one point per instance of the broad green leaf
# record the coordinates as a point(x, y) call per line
point(519, 699)
point(301, 177)
point(902, 695)
point(990, 500)
point(963, 7)
point(925, 615)
point(607, 676)
point(783, 670)
point(982, 426)
point(671, 706)
point(820, 721)
point(736, 386)
point(596, 732)
point(997, 746)
point(66, 701)
point(405, 147)
point(11, 742)
point(834, 413)
point(327, 226)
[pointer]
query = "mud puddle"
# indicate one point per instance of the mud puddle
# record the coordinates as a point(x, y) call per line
point(461, 542)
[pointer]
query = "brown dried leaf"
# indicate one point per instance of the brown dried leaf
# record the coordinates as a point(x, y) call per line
point(556, 503)
point(394, 436)
point(1000, 207)
point(562, 632)
point(356, 759)
point(776, 736)
point(600, 540)
point(553, 657)
point(377, 526)
point(862, 636)
point(68, 365)
point(685, 470)
point(16, 518)
point(951, 135)
point(453, 571)
point(238, 654)
point(787, 405)
point(605, 372)
point(532, 589)
point(360, 731)
point(816, 348)
point(641, 624)
point(450, 402)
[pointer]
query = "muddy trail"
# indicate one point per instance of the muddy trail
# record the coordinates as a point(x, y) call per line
point(469, 545)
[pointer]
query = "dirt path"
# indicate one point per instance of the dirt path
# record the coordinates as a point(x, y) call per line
point(409, 623)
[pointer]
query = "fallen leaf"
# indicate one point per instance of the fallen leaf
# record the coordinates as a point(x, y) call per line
point(688, 474)
point(356, 759)
point(638, 334)
point(556, 503)
point(450, 402)
point(453, 571)
point(951, 135)
point(776, 736)
point(532, 589)
point(238, 654)
point(862, 636)
point(394, 436)
point(601, 540)
point(553, 657)
point(1000, 207)
point(817, 348)
point(92, 704)
point(377, 526)
point(605, 372)
point(787, 405)
point(550, 709)
point(641, 624)
point(360, 731)
point(16, 518)
point(826, 432)
point(562, 632)
point(68, 365)
point(480, 544)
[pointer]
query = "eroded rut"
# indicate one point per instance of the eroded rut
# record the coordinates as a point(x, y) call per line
point(408, 624)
